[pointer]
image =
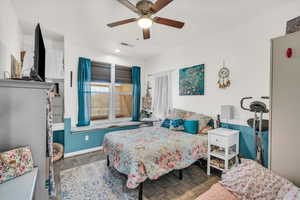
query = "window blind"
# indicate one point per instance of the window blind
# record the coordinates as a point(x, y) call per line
point(123, 74)
point(101, 72)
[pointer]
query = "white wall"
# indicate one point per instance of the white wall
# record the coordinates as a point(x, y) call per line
point(10, 36)
point(72, 54)
point(246, 51)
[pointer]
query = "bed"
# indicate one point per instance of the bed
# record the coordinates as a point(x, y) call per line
point(150, 152)
point(251, 181)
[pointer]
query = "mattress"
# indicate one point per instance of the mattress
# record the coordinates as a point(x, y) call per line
point(151, 152)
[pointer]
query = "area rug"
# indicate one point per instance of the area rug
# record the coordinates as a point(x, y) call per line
point(95, 181)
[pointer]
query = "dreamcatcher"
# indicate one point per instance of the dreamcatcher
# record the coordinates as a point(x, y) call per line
point(224, 81)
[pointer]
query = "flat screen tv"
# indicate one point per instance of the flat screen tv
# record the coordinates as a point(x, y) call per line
point(38, 71)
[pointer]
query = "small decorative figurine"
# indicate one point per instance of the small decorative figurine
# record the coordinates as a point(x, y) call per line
point(218, 122)
point(147, 99)
point(147, 103)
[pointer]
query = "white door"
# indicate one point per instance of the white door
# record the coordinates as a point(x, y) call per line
point(285, 102)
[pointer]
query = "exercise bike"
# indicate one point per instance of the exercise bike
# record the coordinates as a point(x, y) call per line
point(258, 124)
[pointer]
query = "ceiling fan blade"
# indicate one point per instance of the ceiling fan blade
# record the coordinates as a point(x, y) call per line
point(160, 4)
point(126, 21)
point(168, 22)
point(146, 33)
point(130, 6)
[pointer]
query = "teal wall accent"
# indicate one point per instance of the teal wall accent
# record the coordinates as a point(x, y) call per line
point(247, 142)
point(76, 141)
point(58, 137)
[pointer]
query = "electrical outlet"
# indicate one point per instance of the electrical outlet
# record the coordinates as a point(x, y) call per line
point(86, 138)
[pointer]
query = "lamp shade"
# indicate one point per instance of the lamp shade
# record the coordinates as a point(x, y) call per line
point(226, 112)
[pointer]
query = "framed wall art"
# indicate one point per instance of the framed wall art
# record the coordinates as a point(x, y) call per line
point(191, 80)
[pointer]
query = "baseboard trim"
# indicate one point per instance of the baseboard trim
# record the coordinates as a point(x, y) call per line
point(76, 153)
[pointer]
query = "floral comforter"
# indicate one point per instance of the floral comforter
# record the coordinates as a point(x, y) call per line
point(152, 152)
point(251, 181)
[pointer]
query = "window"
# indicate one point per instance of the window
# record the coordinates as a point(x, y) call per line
point(111, 92)
point(123, 100)
point(100, 101)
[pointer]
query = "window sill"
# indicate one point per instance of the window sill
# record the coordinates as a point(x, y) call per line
point(107, 121)
point(101, 126)
point(58, 127)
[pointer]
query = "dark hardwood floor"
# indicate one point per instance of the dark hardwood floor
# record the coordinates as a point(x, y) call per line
point(168, 187)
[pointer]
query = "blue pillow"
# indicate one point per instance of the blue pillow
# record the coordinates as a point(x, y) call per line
point(166, 123)
point(191, 126)
point(176, 125)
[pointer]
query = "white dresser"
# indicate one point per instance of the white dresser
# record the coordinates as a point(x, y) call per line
point(223, 149)
point(23, 121)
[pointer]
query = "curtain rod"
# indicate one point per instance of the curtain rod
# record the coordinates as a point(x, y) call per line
point(162, 72)
point(172, 70)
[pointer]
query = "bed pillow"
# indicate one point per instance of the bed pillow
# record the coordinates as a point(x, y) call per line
point(177, 113)
point(14, 163)
point(203, 120)
point(166, 123)
point(205, 130)
point(176, 124)
point(217, 192)
point(191, 126)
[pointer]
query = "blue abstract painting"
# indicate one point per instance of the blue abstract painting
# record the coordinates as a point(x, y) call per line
point(191, 80)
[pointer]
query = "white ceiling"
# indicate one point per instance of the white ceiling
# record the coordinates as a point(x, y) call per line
point(84, 21)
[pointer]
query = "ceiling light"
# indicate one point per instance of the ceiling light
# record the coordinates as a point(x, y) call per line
point(145, 22)
point(117, 51)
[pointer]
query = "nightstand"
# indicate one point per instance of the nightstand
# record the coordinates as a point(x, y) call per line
point(223, 149)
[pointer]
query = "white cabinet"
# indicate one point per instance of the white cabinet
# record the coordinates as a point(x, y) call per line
point(223, 149)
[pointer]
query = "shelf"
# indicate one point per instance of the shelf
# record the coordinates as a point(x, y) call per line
point(221, 141)
point(222, 155)
point(26, 84)
point(211, 165)
point(216, 167)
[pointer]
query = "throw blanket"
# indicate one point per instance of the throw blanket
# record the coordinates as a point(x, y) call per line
point(251, 181)
point(152, 152)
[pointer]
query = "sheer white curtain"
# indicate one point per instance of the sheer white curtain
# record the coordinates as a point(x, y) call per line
point(162, 95)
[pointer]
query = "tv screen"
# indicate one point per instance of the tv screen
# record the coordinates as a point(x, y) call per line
point(38, 73)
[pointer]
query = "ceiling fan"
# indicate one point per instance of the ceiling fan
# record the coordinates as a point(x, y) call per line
point(145, 9)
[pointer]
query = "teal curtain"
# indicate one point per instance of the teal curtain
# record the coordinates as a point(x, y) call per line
point(136, 93)
point(84, 91)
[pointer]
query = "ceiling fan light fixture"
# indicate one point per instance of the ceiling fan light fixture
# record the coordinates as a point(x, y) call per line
point(145, 22)
point(145, 10)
